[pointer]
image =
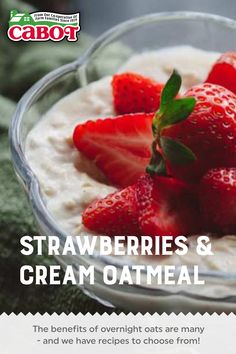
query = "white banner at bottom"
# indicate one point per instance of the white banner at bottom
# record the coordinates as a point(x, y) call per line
point(106, 334)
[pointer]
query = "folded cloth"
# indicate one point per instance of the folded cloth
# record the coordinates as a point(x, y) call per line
point(17, 220)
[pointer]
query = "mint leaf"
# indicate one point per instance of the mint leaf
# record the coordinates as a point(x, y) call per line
point(170, 89)
point(176, 152)
point(177, 111)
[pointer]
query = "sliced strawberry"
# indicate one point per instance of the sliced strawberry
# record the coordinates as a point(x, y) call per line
point(134, 93)
point(120, 147)
point(166, 207)
point(223, 72)
point(218, 199)
point(114, 215)
point(158, 206)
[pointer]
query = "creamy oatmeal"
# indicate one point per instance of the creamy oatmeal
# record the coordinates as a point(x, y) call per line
point(69, 182)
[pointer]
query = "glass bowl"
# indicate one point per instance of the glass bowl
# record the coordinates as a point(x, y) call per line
point(205, 31)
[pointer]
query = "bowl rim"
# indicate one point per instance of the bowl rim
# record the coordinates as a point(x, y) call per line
point(22, 167)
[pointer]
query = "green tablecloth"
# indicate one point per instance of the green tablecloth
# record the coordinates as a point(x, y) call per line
point(20, 66)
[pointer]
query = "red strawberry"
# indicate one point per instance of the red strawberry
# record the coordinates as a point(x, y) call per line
point(114, 215)
point(166, 206)
point(218, 199)
point(210, 131)
point(120, 147)
point(134, 93)
point(223, 72)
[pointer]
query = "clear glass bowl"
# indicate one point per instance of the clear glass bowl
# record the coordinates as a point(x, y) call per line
point(149, 32)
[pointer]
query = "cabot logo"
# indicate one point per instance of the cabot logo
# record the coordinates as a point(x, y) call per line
point(43, 26)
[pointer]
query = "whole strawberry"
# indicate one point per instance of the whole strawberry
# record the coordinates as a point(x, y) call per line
point(116, 214)
point(218, 199)
point(133, 93)
point(223, 72)
point(210, 131)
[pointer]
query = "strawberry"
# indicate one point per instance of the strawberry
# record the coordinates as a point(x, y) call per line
point(223, 72)
point(218, 199)
point(133, 93)
point(114, 215)
point(166, 206)
point(119, 146)
point(156, 204)
point(210, 132)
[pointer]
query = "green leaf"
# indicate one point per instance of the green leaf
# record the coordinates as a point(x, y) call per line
point(170, 89)
point(155, 124)
point(157, 163)
point(176, 152)
point(177, 111)
point(172, 111)
point(158, 168)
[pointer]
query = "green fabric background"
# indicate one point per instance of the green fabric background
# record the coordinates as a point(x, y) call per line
point(21, 64)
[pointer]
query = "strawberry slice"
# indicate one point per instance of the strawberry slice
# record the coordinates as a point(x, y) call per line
point(223, 72)
point(166, 207)
point(114, 215)
point(134, 93)
point(119, 146)
point(218, 199)
point(158, 206)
